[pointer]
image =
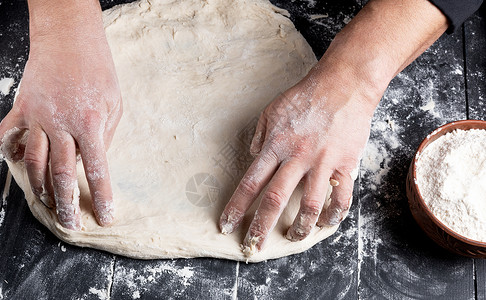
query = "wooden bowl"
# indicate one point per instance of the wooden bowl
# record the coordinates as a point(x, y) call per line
point(435, 229)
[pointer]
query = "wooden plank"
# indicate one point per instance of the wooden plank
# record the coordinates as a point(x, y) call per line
point(34, 264)
point(475, 43)
point(480, 265)
point(14, 47)
point(397, 260)
point(319, 21)
point(326, 271)
point(169, 279)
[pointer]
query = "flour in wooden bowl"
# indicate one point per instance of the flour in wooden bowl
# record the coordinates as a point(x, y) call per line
point(451, 177)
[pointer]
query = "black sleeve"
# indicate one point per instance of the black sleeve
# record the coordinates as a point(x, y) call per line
point(456, 11)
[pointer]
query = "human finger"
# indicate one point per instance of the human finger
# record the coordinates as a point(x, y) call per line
point(315, 190)
point(273, 202)
point(64, 178)
point(341, 198)
point(112, 123)
point(36, 160)
point(95, 163)
point(259, 136)
point(255, 179)
point(13, 136)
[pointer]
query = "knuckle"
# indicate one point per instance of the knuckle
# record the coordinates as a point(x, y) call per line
point(96, 172)
point(90, 124)
point(258, 232)
point(63, 173)
point(341, 204)
point(103, 199)
point(91, 119)
point(32, 159)
point(20, 106)
point(345, 171)
point(274, 199)
point(311, 207)
point(342, 194)
point(36, 186)
point(303, 147)
point(271, 153)
point(248, 186)
point(323, 157)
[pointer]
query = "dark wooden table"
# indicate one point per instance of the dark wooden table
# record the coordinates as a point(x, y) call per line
point(379, 251)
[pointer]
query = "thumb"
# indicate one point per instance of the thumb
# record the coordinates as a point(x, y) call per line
point(259, 136)
point(13, 136)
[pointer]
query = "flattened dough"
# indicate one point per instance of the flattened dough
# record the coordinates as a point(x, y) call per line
point(194, 76)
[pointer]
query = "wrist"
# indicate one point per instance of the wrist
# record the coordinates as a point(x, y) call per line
point(60, 22)
point(349, 83)
point(379, 42)
point(364, 68)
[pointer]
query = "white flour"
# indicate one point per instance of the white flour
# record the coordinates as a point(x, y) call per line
point(451, 176)
point(5, 85)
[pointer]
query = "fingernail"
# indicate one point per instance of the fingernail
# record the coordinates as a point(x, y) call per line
point(289, 236)
point(256, 144)
point(45, 198)
point(229, 222)
point(333, 182)
point(335, 217)
point(68, 217)
point(13, 144)
point(105, 213)
point(249, 247)
point(226, 228)
point(296, 232)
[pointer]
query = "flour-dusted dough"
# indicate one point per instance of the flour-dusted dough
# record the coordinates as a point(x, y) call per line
point(194, 76)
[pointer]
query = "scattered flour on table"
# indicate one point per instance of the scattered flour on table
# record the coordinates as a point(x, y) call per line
point(5, 193)
point(311, 3)
point(140, 280)
point(100, 293)
point(2, 213)
point(5, 85)
point(429, 106)
point(313, 17)
point(63, 249)
point(451, 176)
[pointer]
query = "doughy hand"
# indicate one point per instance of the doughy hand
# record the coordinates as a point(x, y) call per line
point(69, 100)
point(314, 132)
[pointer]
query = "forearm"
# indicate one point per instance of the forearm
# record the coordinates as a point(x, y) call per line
point(72, 23)
point(382, 40)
